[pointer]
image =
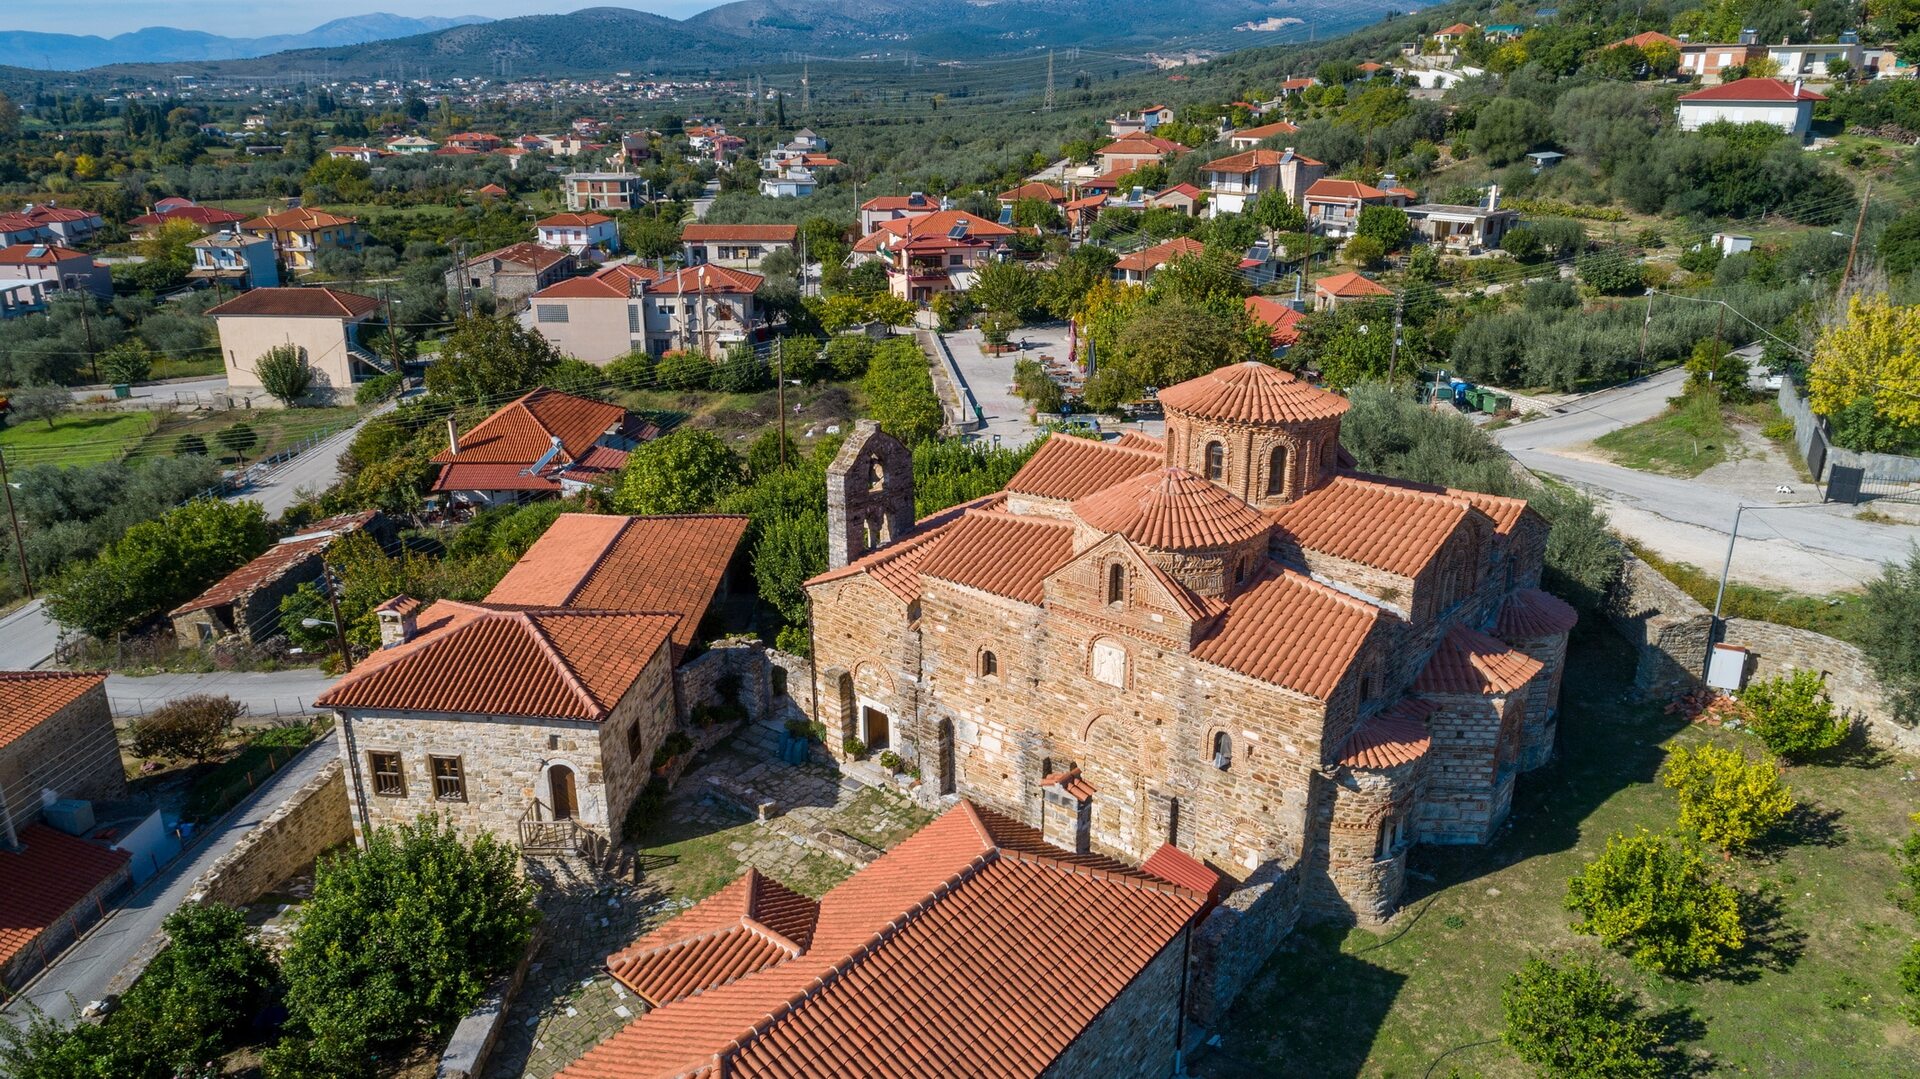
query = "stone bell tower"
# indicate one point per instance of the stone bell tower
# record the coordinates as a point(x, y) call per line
point(869, 494)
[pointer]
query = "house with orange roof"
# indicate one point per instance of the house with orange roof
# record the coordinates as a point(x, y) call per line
point(246, 602)
point(1331, 292)
point(883, 208)
point(633, 307)
point(1785, 105)
point(513, 273)
point(477, 141)
point(1281, 319)
point(1235, 182)
point(918, 953)
point(1127, 154)
point(586, 235)
point(936, 252)
point(1249, 137)
point(1228, 640)
point(1138, 267)
point(207, 219)
point(536, 713)
point(1036, 189)
point(301, 235)
point(1333, 206)
point(738, 247)
point(1451, 37)
point(1649, 37)
point(323, 323)
point(63, 268)
point(542, 444)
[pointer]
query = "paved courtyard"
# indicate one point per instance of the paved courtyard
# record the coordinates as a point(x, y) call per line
point(991, 379)
point(825, 826)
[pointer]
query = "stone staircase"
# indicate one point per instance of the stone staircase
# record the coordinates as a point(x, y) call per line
point(760, 739)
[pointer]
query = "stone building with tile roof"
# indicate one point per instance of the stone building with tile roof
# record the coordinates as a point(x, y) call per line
point(56, 734)
point(1232, 641)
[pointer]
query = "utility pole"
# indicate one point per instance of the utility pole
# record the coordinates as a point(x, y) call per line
point(1393, 364)
point(780, 392)
point(806, 87)
point(339, 630)
point(86, 323)
point(1048, 107)
point(1857, 223)
point(393, 330)
point(19, 542)
point(1644, 327)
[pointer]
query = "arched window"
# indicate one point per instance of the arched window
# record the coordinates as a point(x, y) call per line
point(1222, 751)
point(1277, 471)
point(1116, 583)
point(869, 536)
point(1216, 461)
point(989, 664)
point(876, 475)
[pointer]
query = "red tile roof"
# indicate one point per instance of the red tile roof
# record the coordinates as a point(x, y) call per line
point(282, 557)
point(525, 254)
point(30, 698)
point(1392, 738)
point(1140, 440)
point(1650, 37)
point(674, 564)
point(1152, 258)
point(1252, 392)
point(701, 233)
point(1470, 663)
point(1767, 91)
point(1141, 146)
point(1280, 318)
point(706, 278)
point(1045, 192)
point(1350, 285)
point(1253, 160)
point(1289, 630)
point(950, 955)
point(572, 220)
point(896, 567)
point(1343, 189)
point(204, 216)
point(304, 219)
point(38, 255)
point(1267, 131)
point(1172, 509)
point(1533, 613)
point(1176, 866)
point(63, 870)
point(1386, 526)
point(1002, 553)
point(522, 430)
point(747, 926)
point(1456, 30)
point(1067, 468)
point(1072, 782)
point(921, 203)
point(298, 303)
point(547, 663)
point(595, 287)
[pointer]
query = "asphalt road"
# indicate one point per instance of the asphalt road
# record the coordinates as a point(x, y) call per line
point(276, 693)
point(27, 637)
point(85, 970)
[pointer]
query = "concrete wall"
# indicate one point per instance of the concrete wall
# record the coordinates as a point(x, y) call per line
point(313, 821)
point(1882, 467)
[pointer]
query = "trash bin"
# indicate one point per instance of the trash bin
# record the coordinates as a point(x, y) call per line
point(1501, 402)
point(122, 390)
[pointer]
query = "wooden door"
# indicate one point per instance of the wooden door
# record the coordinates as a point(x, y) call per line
point(566, 802)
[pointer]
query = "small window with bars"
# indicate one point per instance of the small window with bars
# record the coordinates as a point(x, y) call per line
point(388, 780)
point(550, 312)
point(449, 780)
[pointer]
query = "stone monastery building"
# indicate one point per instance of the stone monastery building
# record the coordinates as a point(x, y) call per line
point(1229, 641)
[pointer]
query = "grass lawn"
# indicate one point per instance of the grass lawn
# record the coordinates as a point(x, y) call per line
point(78, 438)
point(1841, 615)
point(738, 417)
point(1816, 997)
point(277, 429)
point(1685, 440)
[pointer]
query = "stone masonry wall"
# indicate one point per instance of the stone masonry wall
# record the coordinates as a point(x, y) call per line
point(1135, 1034)
point(1668, 629)
point(1234, 941)
point(313, 821)
point(1850, 680)
point(73, 753)
point(1469, 787)
point(698, 682)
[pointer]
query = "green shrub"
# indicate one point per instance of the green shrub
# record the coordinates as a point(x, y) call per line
point(676, 744)
point(196, 998)
point(377, 389)
point(1793, 716)
point(190, 728)
point(853, 747)
point(892, 761)
point(634, 371)
point(284, 736)
point(1655, 899)
point(190, 445)
point(1570, 1021)
point(1728, 798)
point(794, 640)
point(799, 728)
point(681, 370)
point(1908, 855)
point(1910, 983)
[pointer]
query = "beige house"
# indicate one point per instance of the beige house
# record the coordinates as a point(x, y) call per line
point(739, 247)
point(299, 236)
point(65, 269)
point(1237, 182)
point(635, 308)
point(323, 323)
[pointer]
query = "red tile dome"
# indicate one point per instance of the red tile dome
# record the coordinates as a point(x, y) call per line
point(1252, 392)
point(1171, 509)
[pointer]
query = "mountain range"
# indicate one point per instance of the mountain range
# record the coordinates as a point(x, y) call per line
point(162, 44)
point(739, 34)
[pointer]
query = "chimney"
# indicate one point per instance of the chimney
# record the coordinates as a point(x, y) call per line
point(453, 435)
point(399, 620)
point(1066, 811)
point(1798, 84)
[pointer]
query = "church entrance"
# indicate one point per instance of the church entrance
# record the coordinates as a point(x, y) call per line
point(566, 801)
point(874, 730)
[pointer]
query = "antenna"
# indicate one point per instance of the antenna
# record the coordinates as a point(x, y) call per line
point(806, 88)
point(1048, 107)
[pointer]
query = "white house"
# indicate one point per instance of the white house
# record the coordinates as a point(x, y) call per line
point(792, 182)
point(1787, 106)
point(579, 233)
point(1815, 61)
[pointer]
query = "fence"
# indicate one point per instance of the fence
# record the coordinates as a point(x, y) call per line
point(969, 415)
point(260, 713)
point(1846, 475)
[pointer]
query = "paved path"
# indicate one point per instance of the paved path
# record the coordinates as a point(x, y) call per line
point(265, 694)
point(87, 968)
point(27, 638)
point(149, 394)
point(310, 473)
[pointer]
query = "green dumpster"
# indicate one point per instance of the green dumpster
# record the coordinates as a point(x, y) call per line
point(1501, 402)
point(122, 390)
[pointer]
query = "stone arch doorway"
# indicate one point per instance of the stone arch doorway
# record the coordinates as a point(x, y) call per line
point(566, 797)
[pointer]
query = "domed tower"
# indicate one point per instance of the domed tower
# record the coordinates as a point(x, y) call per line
point(1255, 430)
point(1200, 534)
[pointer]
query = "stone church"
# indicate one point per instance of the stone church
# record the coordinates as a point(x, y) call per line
point(1228, 640)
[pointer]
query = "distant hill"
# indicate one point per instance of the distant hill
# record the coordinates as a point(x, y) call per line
point(736, 35)
point(161, 44)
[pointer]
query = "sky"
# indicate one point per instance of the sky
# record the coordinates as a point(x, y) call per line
point(258, 18)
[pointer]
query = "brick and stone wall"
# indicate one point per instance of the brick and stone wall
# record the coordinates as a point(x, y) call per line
point(701, 681)
point(311, 822)
point(1470, 769)
point(1235, 939)
point(73, 753)
point(1538, 728)
point(1135, 1034)
point(1359, 872)
point(1669, 630)
point(1777, 650)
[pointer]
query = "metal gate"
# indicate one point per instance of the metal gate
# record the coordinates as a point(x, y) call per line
point(1849, 484)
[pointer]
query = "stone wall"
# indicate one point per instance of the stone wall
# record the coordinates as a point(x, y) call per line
point(1776, 650)
point(473, 1039)
point(311, 822)
point(1135, 1034)
point(698, 682)
point(1669, 630)
point(73, 753)
point(791, 690)
point(1234, 941)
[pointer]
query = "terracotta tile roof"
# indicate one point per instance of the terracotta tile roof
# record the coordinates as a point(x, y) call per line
point(30, 698)
point(674, 564)
point(521, 431)
point(1392, 738)
point(596, 464)
point(1188, 190)
point(1068, 468)
point(64, 869)
point(1650, 37)
point(1172, 509)
point(575, 221)
point(38, 255)
point(1280, 318)
point(298, 303)
point(1140, 440)
point(1267, 131)
point(1252, 160)
point(1768, 91)
point(1343, 189)
point(304, 219)
point(1176, 866)
point(1003, 553)
point(402, 605)
point(203, 216)
point(939, 224)
point(1252, 392)
point(1045, 192)
point(1141, 146)
point(747, 926)
point(889, 203)
point(1291, 631)
point(897, 565)
point(525, 254)
point(598, 286)
point(1456, 30)
point(1505, 512)
point(1389, 527)
point(1072, 782)
point(548, 663)
point(281, 558)
point(1470, 663)
point(701, 233)
point(1533, 613)
point(1152, 258)
point(707, 278)
point(471, 476)
point(1350, 285)
point(944, 957)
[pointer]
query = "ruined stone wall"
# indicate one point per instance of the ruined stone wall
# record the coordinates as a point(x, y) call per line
point(1669, 630)
point(1235, 939)
point(1135, 1034)
point(1777, 650)
point(701, 680)
point(311, 822)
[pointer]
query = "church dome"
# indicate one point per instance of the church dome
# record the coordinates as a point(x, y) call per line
point(1252, 392)
point(1171, 509)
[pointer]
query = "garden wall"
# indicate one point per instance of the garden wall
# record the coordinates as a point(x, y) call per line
point(1776, 650)
point(1880, 467)
point(315, 820)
